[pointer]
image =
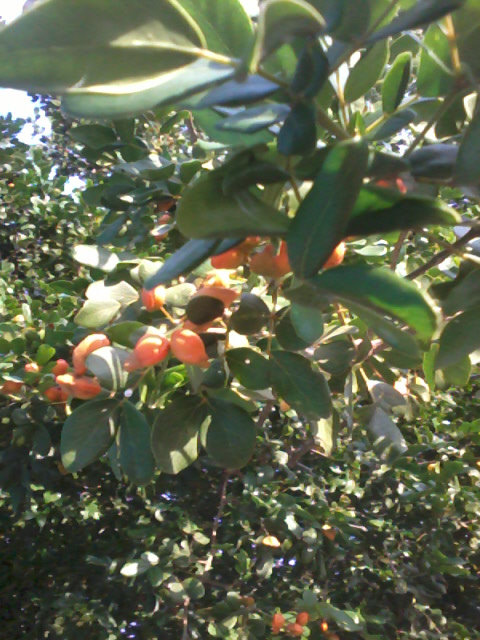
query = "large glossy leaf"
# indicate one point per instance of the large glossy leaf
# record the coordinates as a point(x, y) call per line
point(258, 172)
point(251, 316)
point(386, 438)
point(205, 212)
point(106, 364)
point(250, 368)
point(396, 82)
point(97, 313)
point(367, 71)
point(297, 382)
point(279, 21)
point(255, 118)
point(95, 136)
point(135, 453)
point(237, 91)
point(165, 89)
point(298, 136)
point(312, 70)
point(376, 288)
point(58, 46)
point(97, 257)
point(231, 435)
point(175, 433)
point(464, 296)
point(434, 161)
point(224, 23)
point(432, 78)
point(322, 216)
point(460, 337)
point(393, 125)
point(468, 162)
point(88, 433)
point(380, 211)
point(184, 260)
point(420, 14)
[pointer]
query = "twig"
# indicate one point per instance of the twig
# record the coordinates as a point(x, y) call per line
point(216, 522)
point(452, 41)
point(443, 255)
point(433, 120)
point(397, 250)
point(186, 604)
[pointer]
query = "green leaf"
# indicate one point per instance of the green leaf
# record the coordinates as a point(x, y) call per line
point(44, 354)
point(459, 338)
point(386, 438)
point(322, 216)
point(165, 90)
point(367, 71)
point(224, 23)
point(285, 332)
point(279, 21)
point(106, 364)
point(307, 322)
point(468, 162)
point(353, 20)
point(135, 453)
point(464, 296)
point(250, 368)
point(231, 435)
point(88, 433)
point(258, 172)
point(298, 136)
point(312, 71)
point(457, 374)
point(97, 257)
point(56, 47)
point(125, 333)
point(97, 313)
point(255, 118)
point(434, 161)
point(396, 82)
point(387, 331)
point(122, 292)
point(175, 433)
point(237, 92)
point(420, 14)
point(428, 365)
point(205, 212)
point(251, 316)
point(95, 136)
point(192, 254)
point(375, 288)
point(348, 620)
point(432, 78)
point(381, 211)
point(180, 294)
point(296, 381)
point(393, 125)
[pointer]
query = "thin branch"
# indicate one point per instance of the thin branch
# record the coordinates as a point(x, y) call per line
point(186, 604)
point(397, 249)
point(329, 125)
point(433, 120)
point(452, 41)
point(443, 255)
point(216, 523)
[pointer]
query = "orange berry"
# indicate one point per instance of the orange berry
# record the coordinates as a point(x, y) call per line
point(188, 347)
point(294, 629)
point(217, 279)
point(84, 348)
point(224, 294)
point(250, 243)
point(10, 387)
point(153, 299)
point(269, 265)
point(248, 601)
point(302, 618)
point(324, 626)
point(230, 259)
point(32, 367)
point(56, 394)
point(277, 622)
point(284, 406)
point(336, 257)
point(60, 367)
point(149, 351)
point(79, 387)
